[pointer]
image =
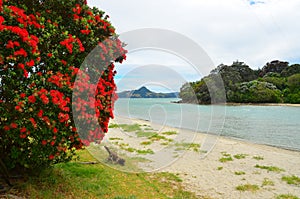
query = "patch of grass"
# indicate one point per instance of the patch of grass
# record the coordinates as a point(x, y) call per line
point(169, 133)
point(267, 182)
point(157, 137)
point(270, 168)
point(115, 138)
point(130, 127)
point(257, 157)
point(295, 180)
point(146, 143)
point(76, 181)
point(226, 159)
point(224, 153)
point(286, 196)
point(239, 173)
point(220, 168)
point(145, 134)
point(144, 152)
point(148, 129)
point(187, 146)
point(240, 156)
point(112, 125)
point(248, 187)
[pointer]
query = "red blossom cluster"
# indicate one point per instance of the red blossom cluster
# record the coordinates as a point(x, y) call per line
point(42, 56)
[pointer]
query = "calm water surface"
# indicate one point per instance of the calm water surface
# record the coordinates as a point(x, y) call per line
point(272, 125)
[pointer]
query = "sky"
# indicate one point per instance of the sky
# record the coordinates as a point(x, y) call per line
point(254, 32)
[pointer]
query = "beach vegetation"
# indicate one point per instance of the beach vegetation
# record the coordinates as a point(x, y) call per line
point(270, 168)
point(180, 146)
point(220, 168)
point(130, 127)
point(295, 180)
point(115, 138)
point(267, 182)
point(169, 133)
point(257, 157)
point(287, 196)
point(146, 143)
point(240, 156)
point(226, 157)
point(113, 125)
point(147, 134)
point(239, 173)
point(248, 187)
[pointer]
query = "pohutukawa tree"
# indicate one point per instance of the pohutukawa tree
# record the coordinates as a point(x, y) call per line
point(43, 44)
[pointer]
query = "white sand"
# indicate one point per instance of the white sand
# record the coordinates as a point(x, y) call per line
point(202, 176)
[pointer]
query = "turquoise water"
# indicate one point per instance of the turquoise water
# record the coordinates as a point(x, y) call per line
point(272, 125)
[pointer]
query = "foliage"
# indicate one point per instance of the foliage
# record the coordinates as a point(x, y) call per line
point(276, 82)
point(43, 44)
point(292, 179)
point(248, 187)
point(269, 168)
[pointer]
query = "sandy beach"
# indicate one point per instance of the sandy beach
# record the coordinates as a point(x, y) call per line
point(210, 166)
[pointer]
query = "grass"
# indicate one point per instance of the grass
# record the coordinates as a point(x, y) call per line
point(130, 127)
point(169, 133)
point(240, 156)
point(267, 182)
point(270, 168)
point(286, 196)
point(257, 157)
point(112, 125)
point(220, 168)
point(115, 139)
point(295, 180)
point(144, 152)
point(226, 157)
point(144, 134)
point(239, 173)
point(248, 187)
point(146, 143)
point(75, 180)
point(180, 146)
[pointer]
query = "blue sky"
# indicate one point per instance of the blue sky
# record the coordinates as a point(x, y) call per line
point(255, 32)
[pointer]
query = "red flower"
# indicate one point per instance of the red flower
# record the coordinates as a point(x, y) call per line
point(31, 99)
point(30, 63)
point(55, 130)
point(23, 136)
point(49, 54)
point(52, 143)
point(44, 142)
point(18, 108)
point(10, 44)
point(45, 99)
point(51, 157)
point(33, 122)
point(40, 113)
point(6, 128)
point(23, 130)
point(63, 62)
point(21, 52)
point(13, 125)
point(22, 95)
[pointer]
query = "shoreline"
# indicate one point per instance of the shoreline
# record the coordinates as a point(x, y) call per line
point(230, 163)
point(241, 104)
point(220, 136)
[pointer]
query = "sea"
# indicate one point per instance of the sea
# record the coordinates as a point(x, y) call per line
point(277, 126)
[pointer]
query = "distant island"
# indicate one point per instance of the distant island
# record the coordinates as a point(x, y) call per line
point(276, 82)
point(144, 92)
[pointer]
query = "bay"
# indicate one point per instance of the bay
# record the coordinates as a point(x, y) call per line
point(271, 125)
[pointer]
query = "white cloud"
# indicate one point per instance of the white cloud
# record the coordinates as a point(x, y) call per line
point(255, 32)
